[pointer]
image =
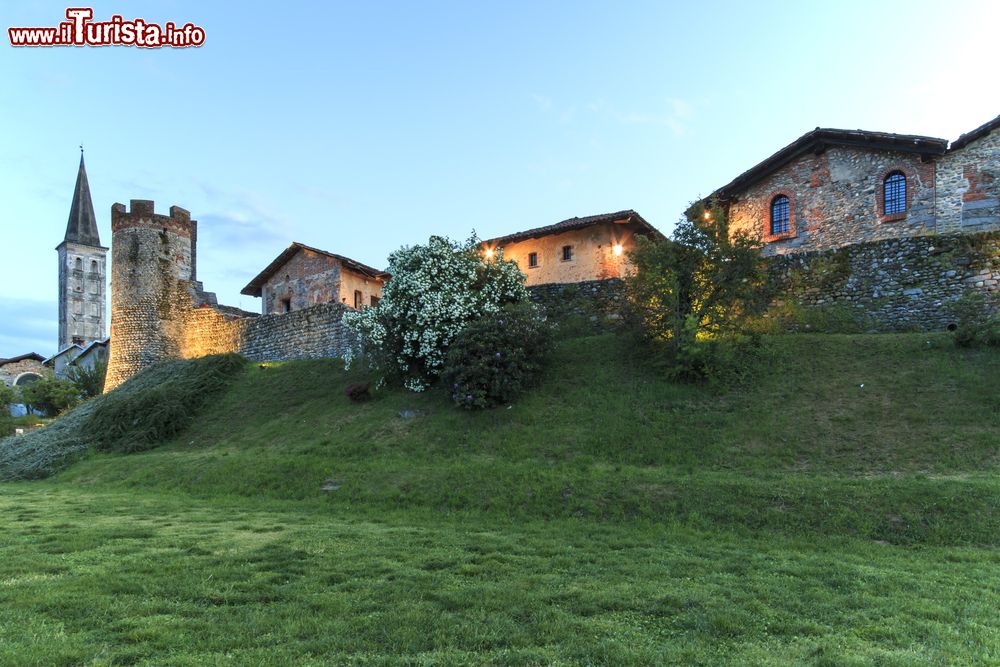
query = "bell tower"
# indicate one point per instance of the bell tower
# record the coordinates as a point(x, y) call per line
point(82, 271)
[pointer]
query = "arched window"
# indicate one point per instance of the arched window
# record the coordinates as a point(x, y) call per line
point(894, 193)
point(78, 265)
point(780, 215)
point(93, 266)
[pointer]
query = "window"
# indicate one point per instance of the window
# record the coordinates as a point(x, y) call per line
point(78, 265)
point(359, 299)
point(780, 220)
point(532, 260)
point(894, 193)
point(567, 253)
point(375, 300)
point(286, 305)
point(93, 266)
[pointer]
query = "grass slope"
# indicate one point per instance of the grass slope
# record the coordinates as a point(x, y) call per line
point(608, 518)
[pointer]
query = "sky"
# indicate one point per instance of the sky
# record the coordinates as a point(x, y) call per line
point(361, 127)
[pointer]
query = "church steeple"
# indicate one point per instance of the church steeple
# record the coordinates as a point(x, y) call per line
point(82, 225)
point(82, 271)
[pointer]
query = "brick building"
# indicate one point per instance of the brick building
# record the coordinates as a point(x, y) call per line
point(831, 188)
point(576, 250)
point(302, 276)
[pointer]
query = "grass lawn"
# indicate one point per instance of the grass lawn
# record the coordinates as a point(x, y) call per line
point(608, 518)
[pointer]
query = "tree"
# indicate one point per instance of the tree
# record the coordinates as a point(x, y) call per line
point(700, 285)
point(7, 396)
point(89, 381)
point(50, 396)
point(435, 291)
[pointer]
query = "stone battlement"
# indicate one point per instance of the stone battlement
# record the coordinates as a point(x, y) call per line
point(142, 214)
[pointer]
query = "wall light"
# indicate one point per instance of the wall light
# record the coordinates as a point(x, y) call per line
point(617, 249)
point(489, 253)
point(708, 215)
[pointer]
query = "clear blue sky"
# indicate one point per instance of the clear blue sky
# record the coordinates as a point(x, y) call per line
point(359, 127)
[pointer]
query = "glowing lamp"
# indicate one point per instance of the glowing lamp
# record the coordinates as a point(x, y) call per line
point(708, 215)
point(489, 253)
point(617, 249)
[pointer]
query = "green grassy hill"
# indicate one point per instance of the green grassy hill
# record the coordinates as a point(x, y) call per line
point(840, 509)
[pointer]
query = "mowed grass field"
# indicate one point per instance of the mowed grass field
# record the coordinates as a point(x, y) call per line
point(842, 509)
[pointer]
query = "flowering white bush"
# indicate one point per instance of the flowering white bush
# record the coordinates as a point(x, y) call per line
point(435, 290)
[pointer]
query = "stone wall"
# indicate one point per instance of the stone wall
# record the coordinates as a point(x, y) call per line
point(311, 333)
point(895, 285)
point(593, 304)
point(9, 373)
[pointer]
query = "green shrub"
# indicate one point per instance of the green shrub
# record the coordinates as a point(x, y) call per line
point(50, 396)
point(497, 357)
point(142, 418)
point(976, 322)
point(7, 396)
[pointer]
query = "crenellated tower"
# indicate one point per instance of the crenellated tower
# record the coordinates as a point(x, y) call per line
point(82, 271)
point(153, 286)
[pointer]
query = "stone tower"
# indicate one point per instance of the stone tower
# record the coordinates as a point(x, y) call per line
point(153, 286)
point(82, 274)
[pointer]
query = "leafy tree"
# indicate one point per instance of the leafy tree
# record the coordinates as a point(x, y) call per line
point(89, 381)
point(435, 291)
point(50, 396)
point(699, 286)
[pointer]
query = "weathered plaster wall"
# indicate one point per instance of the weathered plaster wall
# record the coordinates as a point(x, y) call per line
point(593, 255)
point(351, 281)
point(968, 185)
point(836, 200)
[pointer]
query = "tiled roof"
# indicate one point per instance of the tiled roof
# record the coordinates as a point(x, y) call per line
point(254, 287)
point(622, 217)
point(980, 131)
point(821, 138)
point(22, 357)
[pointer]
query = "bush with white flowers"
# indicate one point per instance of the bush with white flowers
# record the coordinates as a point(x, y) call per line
point(435, 291)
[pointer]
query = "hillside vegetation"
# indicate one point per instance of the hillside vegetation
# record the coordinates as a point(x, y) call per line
point(839, 509)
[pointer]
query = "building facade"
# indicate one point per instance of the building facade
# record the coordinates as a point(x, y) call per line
point(301, 277)
point(576, 250)
point(831, 188)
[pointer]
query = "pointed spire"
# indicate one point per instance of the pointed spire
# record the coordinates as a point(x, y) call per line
point(82, 225)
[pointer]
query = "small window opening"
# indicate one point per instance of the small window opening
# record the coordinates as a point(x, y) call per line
point(532, 259)
point(375, 301)
point(894, 190)
point(286, 305)
point(567, 253)
point(359, 299)
point(780, 215)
